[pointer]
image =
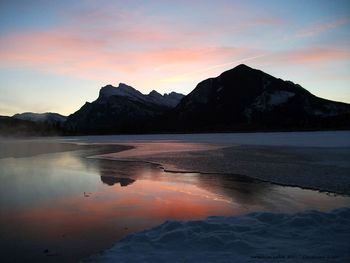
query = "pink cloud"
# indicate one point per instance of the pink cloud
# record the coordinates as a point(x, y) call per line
point(101, 58)
point(103, 43)
point(315, 55)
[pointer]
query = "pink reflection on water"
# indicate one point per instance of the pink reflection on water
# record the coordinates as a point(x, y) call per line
point(154, 148)
point(117, 211)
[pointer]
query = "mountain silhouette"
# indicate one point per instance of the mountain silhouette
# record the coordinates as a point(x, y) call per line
point(121, 109)
point(244, 98)
point(240, 99)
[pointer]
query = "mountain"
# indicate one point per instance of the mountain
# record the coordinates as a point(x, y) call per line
point(167, 100)
point(48, 117)
point(121, 109)
point(240, 99)
point(244, 98)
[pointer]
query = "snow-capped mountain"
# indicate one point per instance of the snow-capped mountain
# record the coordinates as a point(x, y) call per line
point(242, 98)
point(122, 109)
point(47, 117)
point(123, 90)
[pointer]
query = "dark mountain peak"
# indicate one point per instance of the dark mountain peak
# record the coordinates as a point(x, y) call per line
point(175, 94)
point(243, 97)
point(242, 67)
point(122, 90)
point(107, 91)
point(244, 71)
point(124, 86)
point(167, 100)
point(108, 86)
point(154, 93)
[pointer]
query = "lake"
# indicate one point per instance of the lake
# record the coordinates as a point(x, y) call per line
point(61, 206)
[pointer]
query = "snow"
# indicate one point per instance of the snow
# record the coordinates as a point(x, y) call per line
point(257, 237)
point(169, 100)
point(268, 99)
point(40, 117)
point(123, 90)
point(280, 97)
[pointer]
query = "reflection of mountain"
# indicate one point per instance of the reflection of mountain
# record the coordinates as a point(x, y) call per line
point(239, 189)
point(124, 173)
point(110, 180)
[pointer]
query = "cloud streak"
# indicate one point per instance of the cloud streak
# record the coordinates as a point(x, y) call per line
point(318, 29)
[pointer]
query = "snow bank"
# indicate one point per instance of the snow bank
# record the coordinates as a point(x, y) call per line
point(257, 237)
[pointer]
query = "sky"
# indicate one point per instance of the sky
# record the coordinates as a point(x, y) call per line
point(55, 54)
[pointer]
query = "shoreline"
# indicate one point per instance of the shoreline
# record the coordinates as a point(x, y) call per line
point(216, 239)
point(303, 167)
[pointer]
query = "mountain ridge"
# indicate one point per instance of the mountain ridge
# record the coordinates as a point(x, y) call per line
point(48, 117)
point(244, 98)
point(239, 99)
point(121, 109)
point(124, 90)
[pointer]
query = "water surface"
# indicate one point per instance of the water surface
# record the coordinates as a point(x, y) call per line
point(62, 206)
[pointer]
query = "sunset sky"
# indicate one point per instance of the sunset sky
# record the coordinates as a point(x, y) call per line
point(55, 55)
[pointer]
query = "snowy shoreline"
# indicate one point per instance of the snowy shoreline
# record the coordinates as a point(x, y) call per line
point(255, 237)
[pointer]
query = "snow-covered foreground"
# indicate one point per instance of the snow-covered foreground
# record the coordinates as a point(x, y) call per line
point(310, 236)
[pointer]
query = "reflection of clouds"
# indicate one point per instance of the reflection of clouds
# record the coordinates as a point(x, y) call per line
point(233, 189)
point(148, 201)
point(203, 194)
point(152, 148)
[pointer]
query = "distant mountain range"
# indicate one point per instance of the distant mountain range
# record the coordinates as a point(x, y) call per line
point(240, 99)
point(48, 117)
